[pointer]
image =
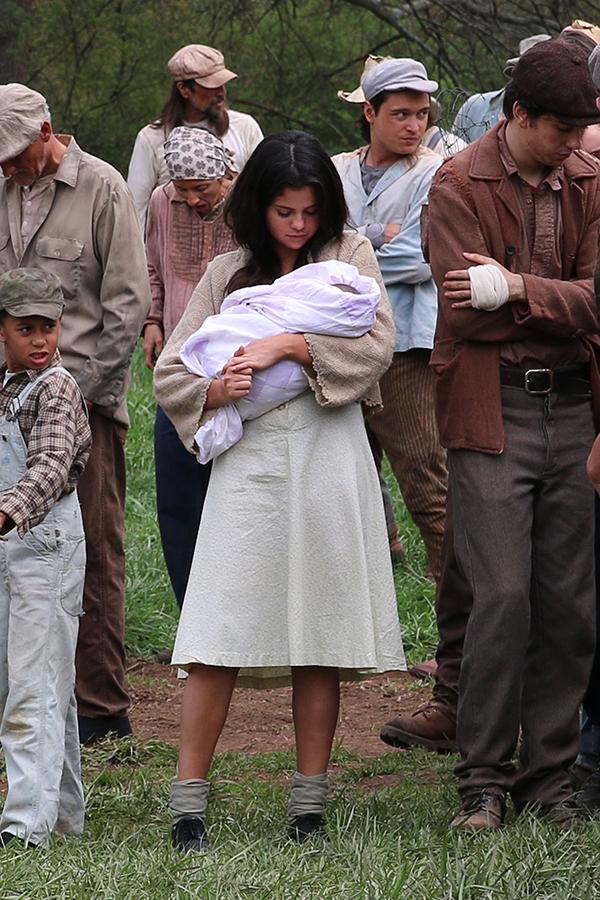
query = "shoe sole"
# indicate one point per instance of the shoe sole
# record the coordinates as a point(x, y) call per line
point(404, 740)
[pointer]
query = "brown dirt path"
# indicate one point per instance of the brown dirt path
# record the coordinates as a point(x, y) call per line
point(261, 721)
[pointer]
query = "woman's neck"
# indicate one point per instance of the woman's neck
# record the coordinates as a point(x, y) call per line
point(288, 259)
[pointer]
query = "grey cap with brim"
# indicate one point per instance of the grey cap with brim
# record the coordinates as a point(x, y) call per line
point(22, 113)
point(397, 75)
point(31, 292)
point(524, 45)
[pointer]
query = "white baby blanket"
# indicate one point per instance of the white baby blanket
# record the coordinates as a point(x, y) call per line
point(321, 298)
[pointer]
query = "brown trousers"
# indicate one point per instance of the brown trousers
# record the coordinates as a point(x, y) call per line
point(523, 535)
point(100, 687)
point(406, 432)
point(454, 600)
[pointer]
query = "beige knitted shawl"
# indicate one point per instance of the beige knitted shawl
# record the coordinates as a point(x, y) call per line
point(347, 369)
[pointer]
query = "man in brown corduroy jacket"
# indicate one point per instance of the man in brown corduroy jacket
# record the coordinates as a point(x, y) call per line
point(516, 373)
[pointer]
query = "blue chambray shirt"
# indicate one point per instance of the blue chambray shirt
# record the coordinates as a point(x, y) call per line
point(398, 196)
point(478, 114)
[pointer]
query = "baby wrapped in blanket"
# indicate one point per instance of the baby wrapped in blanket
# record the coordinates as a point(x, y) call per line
point(329, 298)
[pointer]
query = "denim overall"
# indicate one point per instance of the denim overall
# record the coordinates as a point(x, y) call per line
point(41, 591)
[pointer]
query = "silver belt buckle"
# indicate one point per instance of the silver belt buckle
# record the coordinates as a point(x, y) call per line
point(531, 376)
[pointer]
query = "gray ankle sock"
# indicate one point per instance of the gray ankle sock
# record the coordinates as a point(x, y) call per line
point(188, 798)
point(309, 793)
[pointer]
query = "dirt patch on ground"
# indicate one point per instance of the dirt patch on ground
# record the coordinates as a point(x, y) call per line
point(260, 721)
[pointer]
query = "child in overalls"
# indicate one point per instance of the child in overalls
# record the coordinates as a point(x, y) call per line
point(44, 444)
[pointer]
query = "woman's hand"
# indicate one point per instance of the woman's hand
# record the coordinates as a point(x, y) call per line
point(154, 341)
point(265, 352)
point(457, 284)
point(233, 386)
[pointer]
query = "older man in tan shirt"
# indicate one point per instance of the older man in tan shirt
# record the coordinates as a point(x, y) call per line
point(70, 213)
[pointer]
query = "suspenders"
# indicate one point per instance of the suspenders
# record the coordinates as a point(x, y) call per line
point(17, 402)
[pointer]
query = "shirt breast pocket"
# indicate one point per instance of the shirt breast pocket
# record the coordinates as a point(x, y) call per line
point(62, 256)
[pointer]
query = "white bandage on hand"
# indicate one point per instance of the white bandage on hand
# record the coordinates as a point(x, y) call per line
point(489, 287)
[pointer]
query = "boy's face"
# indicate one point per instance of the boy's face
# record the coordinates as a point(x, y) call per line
point(29, 341)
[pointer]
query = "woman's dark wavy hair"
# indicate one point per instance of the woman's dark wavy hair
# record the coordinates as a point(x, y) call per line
point(289, 159)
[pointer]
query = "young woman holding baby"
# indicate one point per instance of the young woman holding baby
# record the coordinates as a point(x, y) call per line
point(294, 580)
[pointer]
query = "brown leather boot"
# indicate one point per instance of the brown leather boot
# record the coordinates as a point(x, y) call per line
point(432, 727)
point(481, 811)
point(424, 670)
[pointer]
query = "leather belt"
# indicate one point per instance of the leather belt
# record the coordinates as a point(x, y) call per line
point(571, 380)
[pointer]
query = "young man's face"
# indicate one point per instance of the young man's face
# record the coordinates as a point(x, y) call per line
point(400, 122)
point(549, 141)
point(30, 342)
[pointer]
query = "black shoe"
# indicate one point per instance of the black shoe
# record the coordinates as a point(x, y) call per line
point(304, 827)
point(189, 835)
point(564, 813)
point(92, 730)
point(7, 838)
point(579, 775)
point(589, 798)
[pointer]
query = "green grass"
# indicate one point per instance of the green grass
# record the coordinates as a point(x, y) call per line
point(387, 817)
point(385, 841)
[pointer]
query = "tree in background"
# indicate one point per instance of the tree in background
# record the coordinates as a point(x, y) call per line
point(102, 63)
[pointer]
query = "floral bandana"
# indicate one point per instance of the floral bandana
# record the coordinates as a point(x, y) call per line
point(194, 153)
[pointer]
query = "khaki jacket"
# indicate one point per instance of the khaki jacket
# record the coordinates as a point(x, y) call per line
point(473, 207)
point(87, 233)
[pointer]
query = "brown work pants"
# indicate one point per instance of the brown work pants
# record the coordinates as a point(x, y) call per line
point(454, 600)
point(523, 535)
point(100, 687)
point(406, 431)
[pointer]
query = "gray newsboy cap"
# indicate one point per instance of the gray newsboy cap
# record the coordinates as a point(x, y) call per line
point(31, 292)
point(397, 75)
point(22, 114)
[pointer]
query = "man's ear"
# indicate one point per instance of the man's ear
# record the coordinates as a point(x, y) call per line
point(46, 132)
point(369, 112)
point(183, 89)
point(598, 101)
point(520, 115)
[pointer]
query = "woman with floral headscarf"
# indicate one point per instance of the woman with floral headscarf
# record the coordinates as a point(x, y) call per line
point(185, 232)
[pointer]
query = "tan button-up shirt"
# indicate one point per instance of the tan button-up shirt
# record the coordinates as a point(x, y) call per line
point(85, 230)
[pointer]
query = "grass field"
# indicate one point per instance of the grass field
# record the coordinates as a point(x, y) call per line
point(387, 819)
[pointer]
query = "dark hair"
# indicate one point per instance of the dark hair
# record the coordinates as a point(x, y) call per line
point(511, 96)
point(289, 159)
point(377, 101)
point(171, 115)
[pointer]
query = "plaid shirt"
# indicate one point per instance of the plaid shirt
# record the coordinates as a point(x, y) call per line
point(58, 439)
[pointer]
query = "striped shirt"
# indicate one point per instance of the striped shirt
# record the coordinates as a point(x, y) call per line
point(57, 434)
